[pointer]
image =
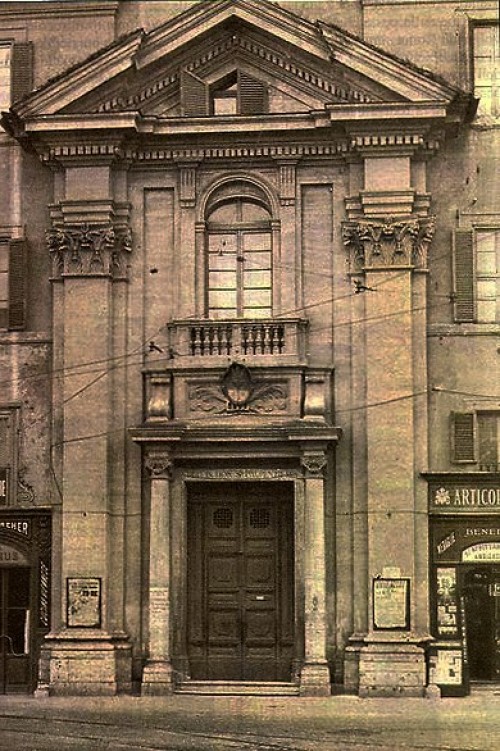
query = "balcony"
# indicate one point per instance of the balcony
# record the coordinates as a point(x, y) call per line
point(278, 341)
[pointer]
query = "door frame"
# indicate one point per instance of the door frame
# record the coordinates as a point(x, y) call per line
point(179, 571)
point(493, 569)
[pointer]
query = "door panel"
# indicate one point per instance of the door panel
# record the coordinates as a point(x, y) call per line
point(240, 583)
point(15, 626)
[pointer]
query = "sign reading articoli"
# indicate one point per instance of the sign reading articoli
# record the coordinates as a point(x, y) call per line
point(464, 498)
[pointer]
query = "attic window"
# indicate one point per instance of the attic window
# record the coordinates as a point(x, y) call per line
point(235, 94)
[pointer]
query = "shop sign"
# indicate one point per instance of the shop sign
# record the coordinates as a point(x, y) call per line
point(9, 556)
point(16, 525)
point(484, 552)
point(391, 604)
point(462, 498)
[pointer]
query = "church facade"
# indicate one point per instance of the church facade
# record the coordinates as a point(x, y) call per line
point(248, 339)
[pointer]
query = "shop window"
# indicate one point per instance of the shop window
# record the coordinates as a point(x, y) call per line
point(476, 256)
point(486, 68)
point(239, 260)
point(476, 439)
point(236, 94)
point(8, 455)
point(12, 284)
point(16, 72)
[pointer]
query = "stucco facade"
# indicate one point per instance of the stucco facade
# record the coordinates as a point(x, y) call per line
point(248, 349)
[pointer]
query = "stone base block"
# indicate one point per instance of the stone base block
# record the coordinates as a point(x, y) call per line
point(351, 665)
point(392, 669)
point(315, 679)
point(157, 679)
point(86, 665)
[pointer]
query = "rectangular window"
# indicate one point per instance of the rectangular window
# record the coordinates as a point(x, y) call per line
point(5, 82)
point(476, 439)
point(486, 61)
point(476, 261)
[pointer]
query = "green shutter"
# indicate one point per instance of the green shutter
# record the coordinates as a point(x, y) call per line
point(463, 267)
point(463, 437)
point(17, 284)
point(22, 70)
point(194, 95)
point(253, 95)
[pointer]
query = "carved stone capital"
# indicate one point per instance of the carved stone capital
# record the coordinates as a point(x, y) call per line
point(159, 465)
point(287, 181)
point(388, 243)
point(313, 463)
point(89, 250)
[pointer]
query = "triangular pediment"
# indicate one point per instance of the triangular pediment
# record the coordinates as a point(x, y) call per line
point(300, 66)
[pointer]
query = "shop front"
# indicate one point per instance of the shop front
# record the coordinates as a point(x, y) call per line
point(465, 581)
point(24, 597)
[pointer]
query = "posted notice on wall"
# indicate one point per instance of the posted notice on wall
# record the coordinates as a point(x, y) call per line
point(84, 602)
point(391, 601)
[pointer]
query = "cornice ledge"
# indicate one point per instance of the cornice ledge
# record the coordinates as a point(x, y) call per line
point(368, 111)
point(79, 80)
point(37, 10)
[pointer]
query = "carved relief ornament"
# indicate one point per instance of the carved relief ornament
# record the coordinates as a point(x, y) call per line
point(89, 250)
point(386, 243)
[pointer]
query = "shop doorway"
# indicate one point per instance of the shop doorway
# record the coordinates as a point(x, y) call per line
point(481, 593)
point(15, 612)
point(240, 581)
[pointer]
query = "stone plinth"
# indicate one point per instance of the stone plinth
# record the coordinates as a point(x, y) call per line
point(157, 679)
point(89, 665)
point(315, 680)
point(392, 669)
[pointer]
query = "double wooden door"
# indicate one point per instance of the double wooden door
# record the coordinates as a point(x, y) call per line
point(240, 582)
point(15, 660)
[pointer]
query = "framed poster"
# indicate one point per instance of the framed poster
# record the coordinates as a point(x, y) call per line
point(391, 604)
point(83, 603)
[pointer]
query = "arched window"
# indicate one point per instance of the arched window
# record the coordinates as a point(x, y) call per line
point(239, 257)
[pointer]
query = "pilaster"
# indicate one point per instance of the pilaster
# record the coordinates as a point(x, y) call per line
point(188, 273)
point(315, 674)
point(388, 236)
point(157, 674)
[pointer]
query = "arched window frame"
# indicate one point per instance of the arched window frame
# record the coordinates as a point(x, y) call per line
point(234, 188)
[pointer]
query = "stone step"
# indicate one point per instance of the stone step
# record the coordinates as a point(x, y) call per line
point(237, 688)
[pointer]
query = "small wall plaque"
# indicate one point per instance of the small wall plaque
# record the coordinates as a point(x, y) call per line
point(83, 602)
point(391, 604)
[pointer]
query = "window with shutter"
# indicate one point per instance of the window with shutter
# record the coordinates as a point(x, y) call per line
point(16, 72)
point(8, 455)
point(13, 284)
point(462, 437)
point(253, 95)
point(463, 267)
point(488, 441)
point(194, 95)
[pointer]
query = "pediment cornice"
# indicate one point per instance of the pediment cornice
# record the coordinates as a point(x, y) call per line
point(327, 67)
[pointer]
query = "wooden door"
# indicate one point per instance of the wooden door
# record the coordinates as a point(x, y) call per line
point(481, 588)
point(240, 583)
point(15, 665)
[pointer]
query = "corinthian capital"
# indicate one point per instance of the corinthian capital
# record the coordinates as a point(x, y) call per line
point(386, 243)
point(314, 463)
point(159, 465)
point(88, 250)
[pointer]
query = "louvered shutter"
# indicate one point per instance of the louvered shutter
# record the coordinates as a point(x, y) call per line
point(17, 284)
point(253, 95)
point(463, 267)
point(22, 70)
point(194, 95)
point(463, 437)
point(5, 458)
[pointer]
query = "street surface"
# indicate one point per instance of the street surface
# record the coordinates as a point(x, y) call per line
point(201, 723)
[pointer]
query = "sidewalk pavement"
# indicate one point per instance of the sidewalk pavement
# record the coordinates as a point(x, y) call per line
point(204, 723)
